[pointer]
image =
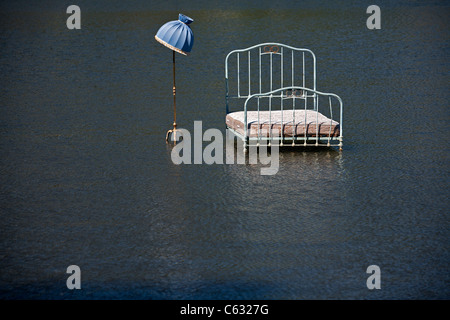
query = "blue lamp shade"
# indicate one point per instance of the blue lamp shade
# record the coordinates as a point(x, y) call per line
point(177, 35)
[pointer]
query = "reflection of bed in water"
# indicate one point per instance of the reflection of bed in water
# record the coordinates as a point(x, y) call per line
point(312, 176)
point(295, 114)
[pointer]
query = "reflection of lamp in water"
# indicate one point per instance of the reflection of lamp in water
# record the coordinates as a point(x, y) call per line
point(178, 36)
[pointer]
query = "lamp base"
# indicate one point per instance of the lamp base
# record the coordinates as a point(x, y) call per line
point(172, 132)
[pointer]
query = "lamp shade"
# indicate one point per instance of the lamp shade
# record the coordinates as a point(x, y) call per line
point(177, 35)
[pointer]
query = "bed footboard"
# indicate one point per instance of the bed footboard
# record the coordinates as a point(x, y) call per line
point(295, 116)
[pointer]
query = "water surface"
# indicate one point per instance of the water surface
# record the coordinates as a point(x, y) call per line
point(87, 176)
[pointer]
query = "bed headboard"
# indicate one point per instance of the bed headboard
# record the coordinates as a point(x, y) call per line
point(266, 67)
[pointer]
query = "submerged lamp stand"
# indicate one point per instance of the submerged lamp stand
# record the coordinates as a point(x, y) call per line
point(174, 107)
point(174, 89)
point(177, 36)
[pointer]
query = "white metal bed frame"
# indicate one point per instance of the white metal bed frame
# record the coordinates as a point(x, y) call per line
point(303, 89)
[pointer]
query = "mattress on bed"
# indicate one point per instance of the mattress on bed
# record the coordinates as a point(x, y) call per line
point(293, 123)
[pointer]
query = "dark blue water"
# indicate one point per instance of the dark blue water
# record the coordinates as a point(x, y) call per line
point(87, 177)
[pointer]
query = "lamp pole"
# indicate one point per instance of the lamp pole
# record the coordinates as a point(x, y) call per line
point(174, 96)
point(174, 105)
